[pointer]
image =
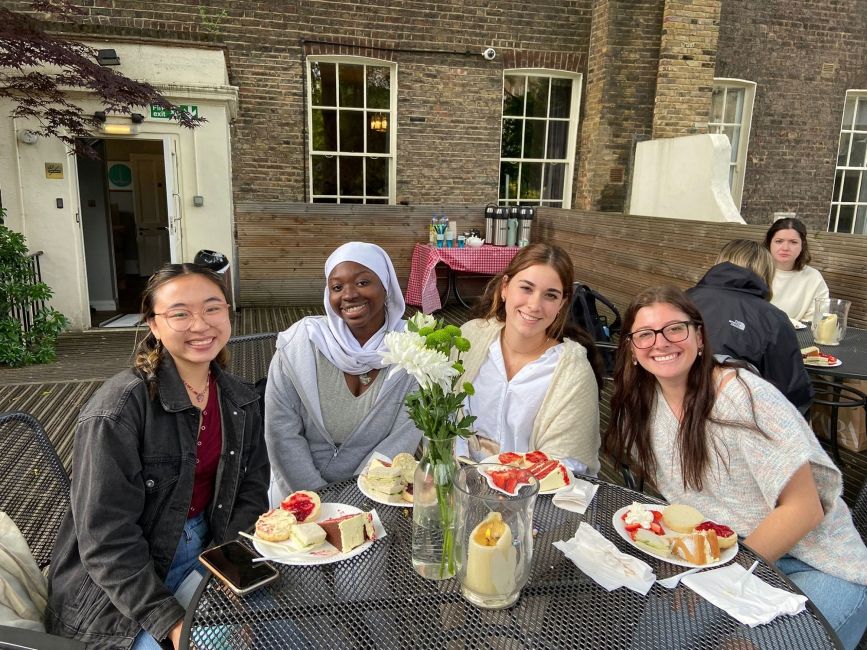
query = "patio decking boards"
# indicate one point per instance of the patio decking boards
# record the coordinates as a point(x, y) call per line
point(54, 393)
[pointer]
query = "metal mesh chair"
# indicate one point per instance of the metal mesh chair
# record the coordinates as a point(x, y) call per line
point(250, 355)
point(837, 395)
point(34, 487)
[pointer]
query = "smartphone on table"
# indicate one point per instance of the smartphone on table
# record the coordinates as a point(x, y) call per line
point(232, 563)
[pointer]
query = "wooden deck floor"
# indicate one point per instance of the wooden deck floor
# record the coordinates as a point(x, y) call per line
point(55, 392)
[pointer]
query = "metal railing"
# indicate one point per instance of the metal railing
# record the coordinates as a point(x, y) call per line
point(25, 312)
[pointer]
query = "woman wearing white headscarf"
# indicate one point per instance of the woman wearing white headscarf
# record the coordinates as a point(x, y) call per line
point(328, 405)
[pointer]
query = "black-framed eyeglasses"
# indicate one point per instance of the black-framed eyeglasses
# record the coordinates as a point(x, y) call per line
point(181, 320)
point(673, 333)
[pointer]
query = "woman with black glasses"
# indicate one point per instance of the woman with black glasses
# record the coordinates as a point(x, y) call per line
point(169, 457)
point(727, 442)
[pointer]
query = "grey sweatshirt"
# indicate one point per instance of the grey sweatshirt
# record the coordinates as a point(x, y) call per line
point(302, 453)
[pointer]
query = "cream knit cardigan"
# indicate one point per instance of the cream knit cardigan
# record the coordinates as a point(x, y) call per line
point(567, 424)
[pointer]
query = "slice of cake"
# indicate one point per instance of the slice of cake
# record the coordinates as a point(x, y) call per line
point(698, 548)
point(551, 474)
point(306, 536)
point(349, 531)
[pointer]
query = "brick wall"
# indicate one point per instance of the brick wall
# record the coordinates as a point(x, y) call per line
point(803, 57)
point(687, 51)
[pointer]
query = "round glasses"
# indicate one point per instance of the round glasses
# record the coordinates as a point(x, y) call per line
point(181, 320)
point(673, 333)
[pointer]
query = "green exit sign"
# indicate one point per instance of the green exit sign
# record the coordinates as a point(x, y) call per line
point(159, 112)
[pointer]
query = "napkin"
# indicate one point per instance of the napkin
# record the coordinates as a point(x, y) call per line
point(575, 497)
point(758, 602)
point(600, 560)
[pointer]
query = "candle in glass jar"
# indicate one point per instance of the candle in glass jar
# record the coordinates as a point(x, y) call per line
point(826, 330)
point(492, 560)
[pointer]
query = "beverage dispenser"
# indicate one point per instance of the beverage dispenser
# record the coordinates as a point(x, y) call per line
point(489, 223)
point(525, 224)
point(501, 226)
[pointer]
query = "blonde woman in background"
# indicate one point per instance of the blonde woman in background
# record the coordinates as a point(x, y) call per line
point(740, 322)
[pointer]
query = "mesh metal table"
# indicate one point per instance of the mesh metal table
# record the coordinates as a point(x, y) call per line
point(852, 351)
point(376, 600)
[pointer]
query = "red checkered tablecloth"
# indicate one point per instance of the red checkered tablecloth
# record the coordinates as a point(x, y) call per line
point(421, 290)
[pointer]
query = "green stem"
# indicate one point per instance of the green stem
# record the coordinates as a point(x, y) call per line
point(443, 466)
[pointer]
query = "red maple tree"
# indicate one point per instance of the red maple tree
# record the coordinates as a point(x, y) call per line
point(38, 69)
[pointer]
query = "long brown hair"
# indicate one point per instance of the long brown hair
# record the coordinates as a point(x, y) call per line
point(798, 226)
point(628, 438)
point(149, 351)
point(491, 304)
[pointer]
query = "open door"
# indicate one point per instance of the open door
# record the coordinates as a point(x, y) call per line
point(151, 212)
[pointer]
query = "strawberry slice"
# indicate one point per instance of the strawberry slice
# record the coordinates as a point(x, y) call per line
point(631, 527)
point(507, 479)
point(510, 458)
point(657, 515)
point(534, 457)
point(656, 528)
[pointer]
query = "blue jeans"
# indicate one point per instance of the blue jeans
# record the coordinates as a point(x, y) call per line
point(843, 603)
point(179, 579)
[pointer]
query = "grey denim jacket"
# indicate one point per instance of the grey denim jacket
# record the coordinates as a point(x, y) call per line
point(133, 471)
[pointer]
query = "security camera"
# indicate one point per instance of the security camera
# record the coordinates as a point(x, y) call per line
point(490, 54)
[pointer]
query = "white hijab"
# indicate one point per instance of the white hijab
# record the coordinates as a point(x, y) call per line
point(332, 336)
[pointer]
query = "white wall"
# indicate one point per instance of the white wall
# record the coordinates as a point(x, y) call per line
point(203, 164)
point(683, 178)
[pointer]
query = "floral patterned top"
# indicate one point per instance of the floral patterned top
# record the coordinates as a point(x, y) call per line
point(746, 477)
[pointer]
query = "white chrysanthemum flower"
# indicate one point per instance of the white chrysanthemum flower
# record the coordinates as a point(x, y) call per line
point(422, 320)
point(407, 350)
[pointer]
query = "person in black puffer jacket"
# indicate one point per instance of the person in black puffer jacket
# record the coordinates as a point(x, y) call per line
point(734, 299)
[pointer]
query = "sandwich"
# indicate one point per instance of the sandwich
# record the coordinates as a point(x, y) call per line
point(384, 477)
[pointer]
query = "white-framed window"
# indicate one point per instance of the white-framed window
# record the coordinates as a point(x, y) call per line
point(539, 132)
point(849, 201)
point(351, 127)
point(731, 113)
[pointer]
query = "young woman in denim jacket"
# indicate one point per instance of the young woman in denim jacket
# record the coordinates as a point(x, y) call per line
point(169, 458)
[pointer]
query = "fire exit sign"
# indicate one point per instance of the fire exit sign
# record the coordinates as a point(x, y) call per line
point(159, 112)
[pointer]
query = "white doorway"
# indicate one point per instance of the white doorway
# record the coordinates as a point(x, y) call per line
point(127, 202)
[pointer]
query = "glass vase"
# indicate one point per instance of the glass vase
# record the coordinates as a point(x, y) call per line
point(433, 510)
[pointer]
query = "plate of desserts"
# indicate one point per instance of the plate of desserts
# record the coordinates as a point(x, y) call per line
point(305, 531)
point(389, 480)
point(550, 472)
point(678, 534)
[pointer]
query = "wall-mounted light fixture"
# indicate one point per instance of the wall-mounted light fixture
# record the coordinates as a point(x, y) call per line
point(137, 118)
point(119, 128)
point(107, 57)
point(379, 122)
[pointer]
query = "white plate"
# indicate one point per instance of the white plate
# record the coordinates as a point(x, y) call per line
point(822, 365)
point(569, 475)
point(325, 554)
point(724, 555)
point(379, 497)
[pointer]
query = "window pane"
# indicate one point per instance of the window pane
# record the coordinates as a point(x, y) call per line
point(351, 175)
point(508, 181)
point(537, 96)
point(555, 177)
point(324, 130)
point(376, 183)
point(321, 199)
point(352, 131)
point(861, 220)
point(862, 192)
point(378, 87)
point(513, 95)
point(351, 85)
point(561, 97)
point(861, 115)
point(378, 126)
point(322, 84)
point(324, 174)
point(716, 104)
point(843, 149)
point(850, 186)
point(511, 144)
point(731, 132)
point(846, 218)
point(558, 132)
point(838, 181)
point(534, 139)
point(849, 111)
point(531, 181)
point(734, 105)
point(859, 146)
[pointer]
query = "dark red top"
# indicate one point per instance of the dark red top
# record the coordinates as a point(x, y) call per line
point(208, 448)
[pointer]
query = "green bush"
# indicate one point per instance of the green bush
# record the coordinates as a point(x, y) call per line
point(17, 289)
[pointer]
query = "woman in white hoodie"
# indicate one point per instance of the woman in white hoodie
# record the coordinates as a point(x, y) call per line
point(328, 403)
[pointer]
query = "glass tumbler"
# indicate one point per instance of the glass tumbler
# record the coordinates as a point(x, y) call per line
point(829, 320)
point(493, 536)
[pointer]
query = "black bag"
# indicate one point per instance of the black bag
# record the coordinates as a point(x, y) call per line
point(586, 316)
